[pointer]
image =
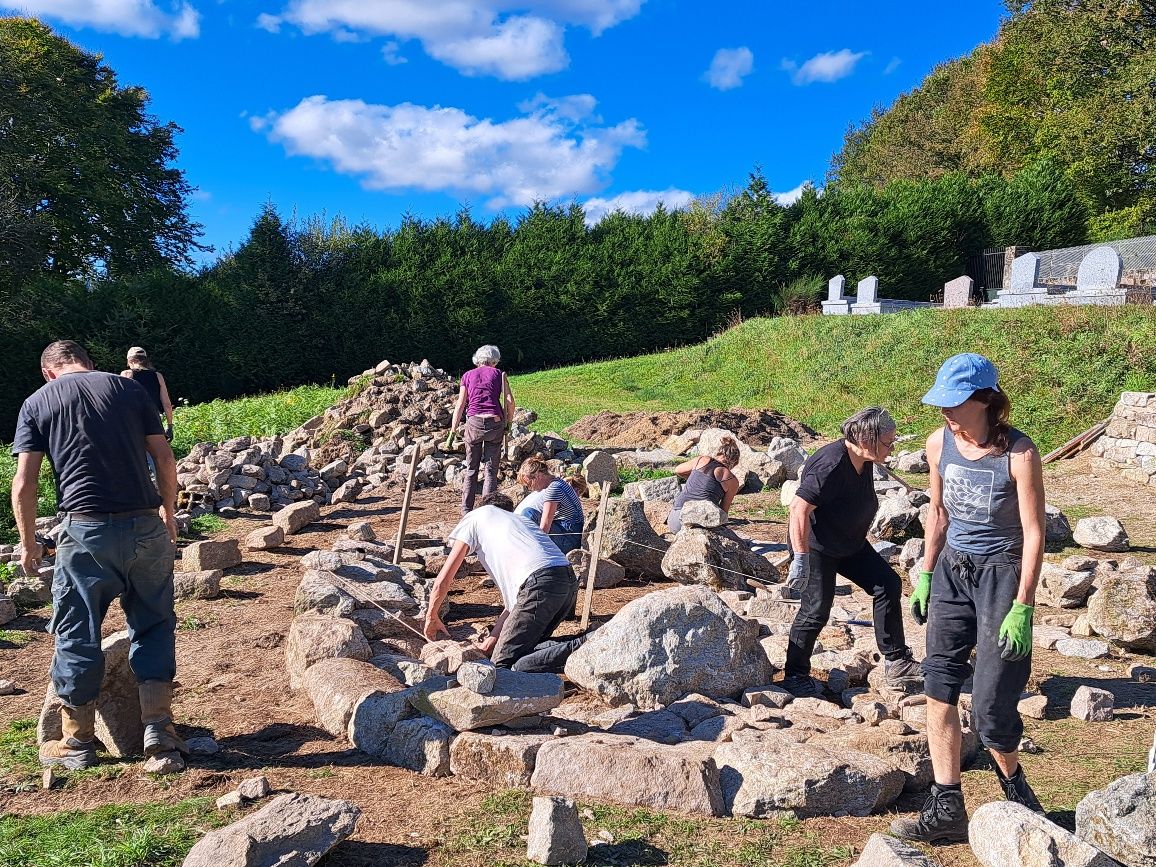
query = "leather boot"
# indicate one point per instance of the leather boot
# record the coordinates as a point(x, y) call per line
point(1016, 789)
point(76, 749)
point(943, 819)
point(156, 712)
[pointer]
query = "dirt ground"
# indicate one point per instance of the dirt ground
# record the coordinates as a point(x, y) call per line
point(234, 687)
point(649, 430)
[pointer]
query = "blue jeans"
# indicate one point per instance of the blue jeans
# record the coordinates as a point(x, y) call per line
point(567, 535)
point(97, 562)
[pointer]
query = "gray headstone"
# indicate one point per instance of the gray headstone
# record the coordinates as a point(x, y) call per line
point(600, 467)
point(957, 293)
point(868, 290)
point(1025, 272)
point(1100, 269)
point(835, 287)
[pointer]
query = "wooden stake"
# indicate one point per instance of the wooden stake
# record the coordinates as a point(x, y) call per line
point(1077, 443)
point(405, 504)
point(595, 554)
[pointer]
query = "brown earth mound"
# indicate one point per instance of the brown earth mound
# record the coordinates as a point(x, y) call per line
point(756, 427)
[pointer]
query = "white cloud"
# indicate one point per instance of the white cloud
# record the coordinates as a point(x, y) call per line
point(892, 65)
point(791, 196)
point(828, 66)
point(729, 67)
point(575, 108)
point(391, 54)
point(126, 17)
point(642, 202)
point(538, 156)
point(272, 23)
point(510, 39)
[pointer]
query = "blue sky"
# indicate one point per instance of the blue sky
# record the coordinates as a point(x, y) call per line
point(375, 108)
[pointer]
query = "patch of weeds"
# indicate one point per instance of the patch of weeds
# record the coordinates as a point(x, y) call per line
point(15, 637)
point(207, 525)
point(321, 773)
point(193, 623)
point(626, 475)
point(116, 835)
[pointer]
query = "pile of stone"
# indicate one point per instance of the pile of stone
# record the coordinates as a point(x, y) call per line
point(688, 718)
point(1129, 443)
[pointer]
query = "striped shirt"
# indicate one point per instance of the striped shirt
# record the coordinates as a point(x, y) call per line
point(569, 506)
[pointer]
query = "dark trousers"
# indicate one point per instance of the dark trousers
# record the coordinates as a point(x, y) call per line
point(483, 440)
point(97, 562)
point(870, 572)
point(970, 596)
point(544, 601)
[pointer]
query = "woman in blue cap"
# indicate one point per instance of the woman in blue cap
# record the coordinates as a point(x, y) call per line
point(984, 549)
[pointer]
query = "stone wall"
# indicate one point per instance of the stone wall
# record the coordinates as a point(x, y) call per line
point(1129, 443)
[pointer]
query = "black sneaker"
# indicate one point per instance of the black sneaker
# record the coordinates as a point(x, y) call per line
point(903, 674)
point(1017, 790)
point(802, 686)
point(943, 819)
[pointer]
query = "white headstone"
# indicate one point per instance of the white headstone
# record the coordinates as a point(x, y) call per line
point(1025, 272)
point(868, 290)
point(1100, 269)
point(835, 287)
point(957, 293)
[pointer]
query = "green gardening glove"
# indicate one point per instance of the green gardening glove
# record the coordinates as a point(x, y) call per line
point(919, 598)
point(449, 443)
point(1015, 633)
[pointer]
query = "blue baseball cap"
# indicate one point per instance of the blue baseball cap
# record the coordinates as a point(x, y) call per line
point(959, 378)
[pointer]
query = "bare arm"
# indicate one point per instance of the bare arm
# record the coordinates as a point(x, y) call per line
point(799, 525)
point(689, 466)
point(730, 484)
point(509, 394)
point(1028, 472)
point(491, 641)
point(549, 510)
point(935, 533)
point(162, 455)
point(459, 409)
point(165, 401)
point(441, 589)
point(24, 490)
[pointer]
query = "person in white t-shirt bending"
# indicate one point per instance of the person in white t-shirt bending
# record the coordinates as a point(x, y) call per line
point(536, 581)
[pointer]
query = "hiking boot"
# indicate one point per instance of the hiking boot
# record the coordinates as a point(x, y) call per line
point(76, 749)
point(943, 819)
point(903, 674)
point(156, 712)
point(802, 686)
point(1016, 789)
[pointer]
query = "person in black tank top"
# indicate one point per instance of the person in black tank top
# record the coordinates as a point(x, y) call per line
point(984, 549)
point(708, 477)
point(140, 370)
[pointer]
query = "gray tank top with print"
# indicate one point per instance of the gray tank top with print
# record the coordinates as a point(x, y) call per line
point(981, 501)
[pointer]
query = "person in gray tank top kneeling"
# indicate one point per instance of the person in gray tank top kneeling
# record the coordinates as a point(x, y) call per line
point(984, 549)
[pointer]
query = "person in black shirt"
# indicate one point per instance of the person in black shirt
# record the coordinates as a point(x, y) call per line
point(830, 515)
point(117, 540)
point(141, 370)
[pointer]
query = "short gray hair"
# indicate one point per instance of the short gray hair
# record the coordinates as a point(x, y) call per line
point(487, 354)
point(866, 426)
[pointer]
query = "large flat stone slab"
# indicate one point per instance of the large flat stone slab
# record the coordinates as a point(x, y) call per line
point(515, 694)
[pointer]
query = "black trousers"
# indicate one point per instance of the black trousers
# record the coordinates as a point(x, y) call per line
point(971, 594)
point(870, 572)
point(544, 601)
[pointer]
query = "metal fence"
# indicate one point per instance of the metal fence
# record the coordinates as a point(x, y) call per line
point(1059, 267)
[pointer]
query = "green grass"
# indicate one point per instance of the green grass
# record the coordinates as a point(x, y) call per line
point(207, 525)
point(45, 495)
point(19, 764)
point(1063, 367)
point(261, 416)
point(492, 835)
point(116, 835)
point(14, 637)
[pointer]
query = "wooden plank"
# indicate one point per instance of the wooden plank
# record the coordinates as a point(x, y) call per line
point(1077, 443)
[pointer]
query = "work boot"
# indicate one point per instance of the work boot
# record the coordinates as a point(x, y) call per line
point(903, 674)
point(76, 749)
point(802, 686)
point(156, 712)
point(943, 819)
point(1017, 790)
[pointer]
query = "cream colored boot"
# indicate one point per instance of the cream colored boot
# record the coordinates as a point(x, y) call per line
point(156, 712)
point(76, 749)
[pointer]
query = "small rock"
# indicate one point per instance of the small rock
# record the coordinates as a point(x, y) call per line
point(1027, 745)
point(48, 778)
point(1101, 534)
point(702, 513)
point(1084, 648)
point(478, 677)
point(556, 835)
point(1034, 706)
point(883, 850)
point(1141, 672)
point(229, 801)
point(203, 746)
point(165, 763)
point(254, 788)
point(7, 687)
point(265, 539)
point(361, 531)
point(1092, 704)
point(197, 585)
point(209, 555)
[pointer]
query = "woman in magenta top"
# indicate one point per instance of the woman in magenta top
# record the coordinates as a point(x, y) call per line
point(488, 404)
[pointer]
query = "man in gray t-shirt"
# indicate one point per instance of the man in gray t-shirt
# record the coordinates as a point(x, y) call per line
point(116, 541)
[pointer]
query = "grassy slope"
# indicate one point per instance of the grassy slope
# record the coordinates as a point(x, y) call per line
point(1063, 368)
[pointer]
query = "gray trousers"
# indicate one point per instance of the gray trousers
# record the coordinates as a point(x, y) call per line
point(544, 601)
point(483, 440)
